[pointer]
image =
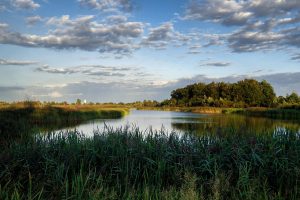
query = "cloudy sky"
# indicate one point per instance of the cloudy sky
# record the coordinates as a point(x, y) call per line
point(128, 50)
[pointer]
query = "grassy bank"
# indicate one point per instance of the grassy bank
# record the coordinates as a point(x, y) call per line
point(288, 113)
point(203, 110)
point(126, 164)
point(19, 121)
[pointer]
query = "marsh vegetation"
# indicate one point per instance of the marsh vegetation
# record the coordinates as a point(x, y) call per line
point(229, 152)
point(127, 164)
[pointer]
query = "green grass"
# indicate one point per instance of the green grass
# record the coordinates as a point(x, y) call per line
point(19, 122)
point(285, 113)
point(131, 164)
point(290, 112)
point(203, 110)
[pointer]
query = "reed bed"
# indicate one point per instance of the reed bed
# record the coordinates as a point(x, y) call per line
point(132, 164)
point(20, 122)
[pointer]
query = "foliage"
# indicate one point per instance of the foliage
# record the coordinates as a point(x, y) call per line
point(245, 93)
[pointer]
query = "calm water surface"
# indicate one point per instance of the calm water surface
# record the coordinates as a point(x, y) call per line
point(191, 122)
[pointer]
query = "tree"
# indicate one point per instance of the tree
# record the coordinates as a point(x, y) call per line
point(211, 90)
point(251, 92)
point(248, 92)
point(78, 101)
point(180, 95)
point(269, 95)
point(293, 98)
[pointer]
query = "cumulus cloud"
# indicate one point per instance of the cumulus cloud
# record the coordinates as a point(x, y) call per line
point(116, 18)
point(80, 33)
point(264, 24)
point(236, 12)
point(16, 62)
point(247, 41)
point(216, 64)
point(225, 12)
point(107, 5)
point(32, 20)
point(25, 4)
point(162, 36)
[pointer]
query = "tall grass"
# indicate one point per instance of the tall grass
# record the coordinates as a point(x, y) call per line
point(19, 122)
point(286, 113)
point(131, 164)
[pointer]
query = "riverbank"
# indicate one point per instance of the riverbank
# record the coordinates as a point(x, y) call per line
point(124, 164)
point(201, 110)
point(19, 121)
point(287, 113)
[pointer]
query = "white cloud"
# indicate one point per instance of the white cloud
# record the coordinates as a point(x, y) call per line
point(165, 34)
point(80, 33)
point(16, 62)
point(32, 20)
point(247, 41)
point(107, 5)
point(264, 24)
point(25, 4)
point(55, 94)
point(225, 12)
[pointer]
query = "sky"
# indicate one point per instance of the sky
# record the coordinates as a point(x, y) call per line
point(131, 50)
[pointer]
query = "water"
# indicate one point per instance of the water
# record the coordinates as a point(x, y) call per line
point(190, 122)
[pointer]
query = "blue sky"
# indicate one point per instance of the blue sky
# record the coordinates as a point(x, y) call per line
point(128, 50)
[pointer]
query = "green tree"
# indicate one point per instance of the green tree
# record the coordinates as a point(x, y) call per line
point(293, 98)
point(268, 94)
point(251, 92)
point(78, 101)
point(180, 95)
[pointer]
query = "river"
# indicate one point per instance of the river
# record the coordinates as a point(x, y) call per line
point(191, 122)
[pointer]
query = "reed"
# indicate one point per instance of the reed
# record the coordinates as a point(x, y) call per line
point(131, 164)
point(20, 121)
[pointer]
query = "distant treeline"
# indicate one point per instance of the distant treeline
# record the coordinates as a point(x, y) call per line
point(244, 93)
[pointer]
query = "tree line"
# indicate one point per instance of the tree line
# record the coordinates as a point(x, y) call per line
point(244, 93)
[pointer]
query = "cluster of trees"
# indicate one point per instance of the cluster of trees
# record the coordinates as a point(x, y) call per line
point(293, 98)
point(145, 103)
point(245, 93)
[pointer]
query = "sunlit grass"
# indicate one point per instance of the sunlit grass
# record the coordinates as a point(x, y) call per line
point(20, 121)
